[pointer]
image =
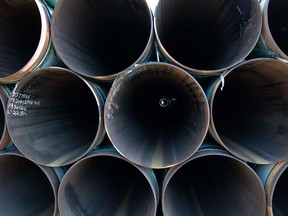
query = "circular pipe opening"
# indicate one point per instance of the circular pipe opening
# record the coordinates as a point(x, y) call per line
point(25, 188)
point(212, 184)
point(206, 37)
point(275, 27)
point(156, 115)
point(249, 117)
point(24, 37)
point(106, 184)
point(102, 38)
point(55, 117)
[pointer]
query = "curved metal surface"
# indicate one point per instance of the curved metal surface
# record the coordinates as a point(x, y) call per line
point(55, 116)
point(275, 26)
point(25, 39)
point(249, 116)
point(26, 188)
point(100, 39)
point(206, 37)
point(105, 183)
point(274, 178)
point(4, 134)
point(212, 182)
point(156, 115)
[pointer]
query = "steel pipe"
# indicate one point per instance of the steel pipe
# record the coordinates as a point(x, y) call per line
point(275, 26)
point(156, 115)
point(206, 37)
point(55, 116)
point(100, 39)
point(26, 188)
point(212, 182)
point(249, 115)
point(5, 139)
point(25, 41)
point(274, 177)
point(105, 183)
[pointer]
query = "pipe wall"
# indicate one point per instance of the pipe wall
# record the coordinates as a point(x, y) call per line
point(55, 117)
point(156, 115)
point(105, 183)
point(249, 115)
point(206, 37)
point(100, 39)
point(26, 188)
point(275, 27)
point(25, 39)
point(212, 182)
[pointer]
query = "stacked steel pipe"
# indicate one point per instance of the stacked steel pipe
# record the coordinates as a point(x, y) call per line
point(117, 108)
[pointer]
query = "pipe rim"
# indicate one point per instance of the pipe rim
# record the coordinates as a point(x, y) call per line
point(42, 49)
point(266, 32)
point(271, 183)
point(112, 153)
point(207, 110)
point(5, 138)
point(49, 173)
point(145, 53)
point(212, 128)
point(196, 71)
point(204, 153)
point(99, 136)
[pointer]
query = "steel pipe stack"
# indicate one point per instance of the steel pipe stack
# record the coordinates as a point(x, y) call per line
point(117, 108)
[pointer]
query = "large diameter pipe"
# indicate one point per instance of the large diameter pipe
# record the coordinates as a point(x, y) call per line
point(5, 139)
point(26, 188)
point(212, 182)
point(206, 37)
point(156, 115)
point(55, 116)
point(105, 183)
point(25, 39)
point(274, 178)
point(275, 26)
point(100, 39)
point(249, 111)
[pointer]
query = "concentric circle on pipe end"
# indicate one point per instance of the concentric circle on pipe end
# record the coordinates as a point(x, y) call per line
point(212, 182)
point(249, 116)
point(26, 188)
point(147, 133)
point(105, 183)
point(55, 117)
point(206, 37)
point(25, 38)
point(275, 28)
point(101, 39)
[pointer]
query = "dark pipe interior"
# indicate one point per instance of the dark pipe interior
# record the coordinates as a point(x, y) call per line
point(208, 35)
point(25, 189)
point(214, 185)
point(63, 123)
point(106, 185)
point(100, 38)
point(250, 114)
point(158, 117)
point(19, 35)
point(277, 19)
point(280, 196)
